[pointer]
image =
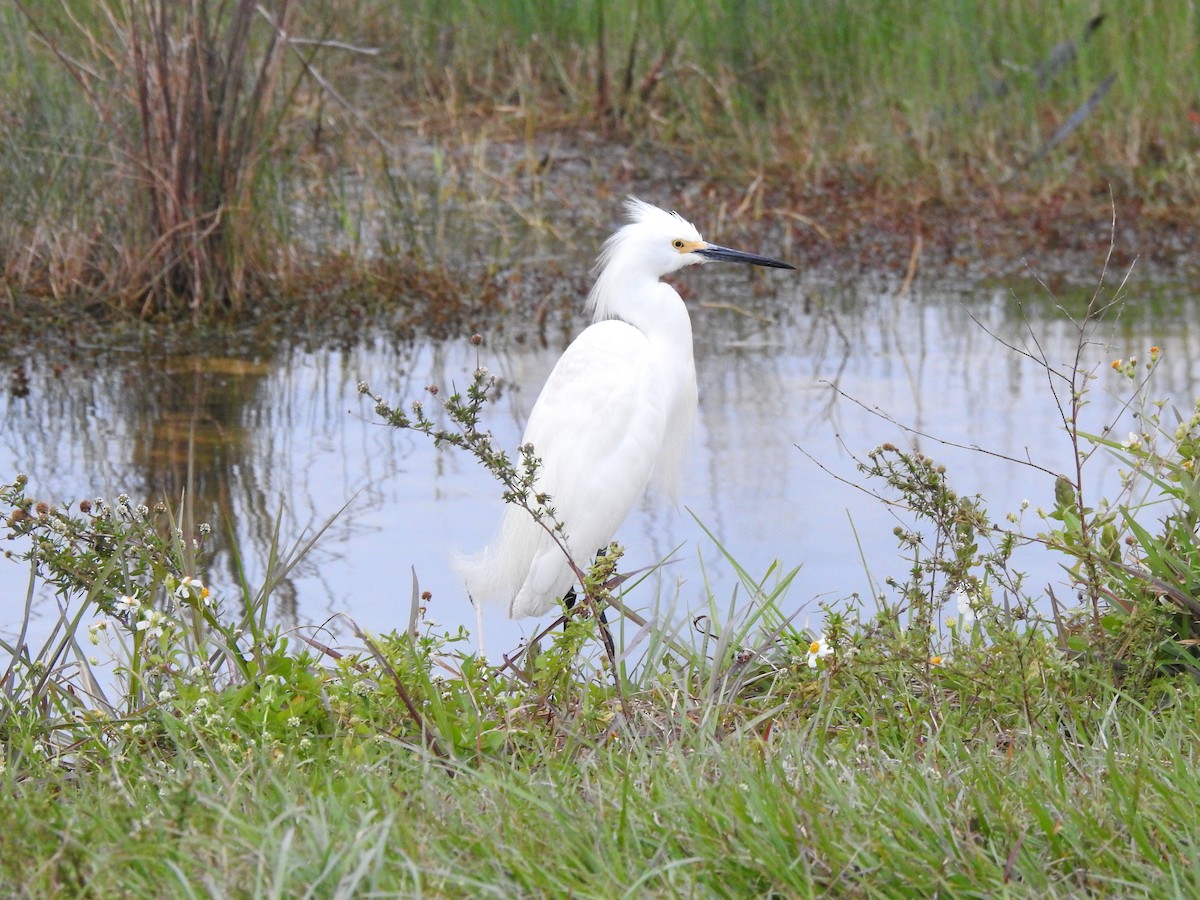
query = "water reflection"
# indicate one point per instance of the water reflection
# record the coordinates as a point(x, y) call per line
point(286, 435)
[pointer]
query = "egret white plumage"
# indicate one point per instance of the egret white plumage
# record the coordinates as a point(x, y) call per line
point(614, 416)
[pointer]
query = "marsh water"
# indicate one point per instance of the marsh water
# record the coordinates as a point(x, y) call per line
point(835, 366)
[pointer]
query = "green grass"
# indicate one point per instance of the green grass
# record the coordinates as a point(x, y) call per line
point(908, 89)
point(1104, 801)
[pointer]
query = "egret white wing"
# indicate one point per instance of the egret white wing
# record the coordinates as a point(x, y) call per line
point(598, 427)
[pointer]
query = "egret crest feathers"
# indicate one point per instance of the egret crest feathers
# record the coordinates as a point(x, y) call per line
point(645, 240)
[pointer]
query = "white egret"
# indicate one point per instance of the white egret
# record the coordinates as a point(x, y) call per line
point(614, 417)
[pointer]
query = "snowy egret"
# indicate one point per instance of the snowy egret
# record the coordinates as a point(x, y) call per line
point(614, 417)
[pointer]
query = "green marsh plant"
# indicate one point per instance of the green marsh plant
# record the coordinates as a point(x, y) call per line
point(136, 631)
point(1139, 552)
point(1131, 552)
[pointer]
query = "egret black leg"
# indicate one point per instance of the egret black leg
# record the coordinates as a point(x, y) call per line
point(570, 598)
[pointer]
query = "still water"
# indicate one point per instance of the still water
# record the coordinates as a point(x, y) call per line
point(784, 362)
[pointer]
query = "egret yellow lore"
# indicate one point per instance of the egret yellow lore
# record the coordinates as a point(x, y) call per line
point(614, 417)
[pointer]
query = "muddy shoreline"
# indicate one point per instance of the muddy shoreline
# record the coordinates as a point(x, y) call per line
point(559, 195)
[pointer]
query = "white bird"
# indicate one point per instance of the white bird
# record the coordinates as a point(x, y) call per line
point(614, 417)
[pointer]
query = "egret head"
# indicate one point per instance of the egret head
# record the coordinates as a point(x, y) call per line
point(661, 242)
point(653, 244)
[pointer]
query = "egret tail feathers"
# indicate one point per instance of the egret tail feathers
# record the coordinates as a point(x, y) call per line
point(501, 572)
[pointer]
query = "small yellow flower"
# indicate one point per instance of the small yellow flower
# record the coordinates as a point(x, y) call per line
point(935, 660)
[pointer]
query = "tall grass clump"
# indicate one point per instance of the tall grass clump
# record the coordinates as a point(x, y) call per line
point(185, 102)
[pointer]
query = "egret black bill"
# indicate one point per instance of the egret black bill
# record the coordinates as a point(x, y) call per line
point(724, 254)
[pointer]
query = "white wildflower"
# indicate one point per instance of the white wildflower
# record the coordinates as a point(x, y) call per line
point(153, 623)
point(187, 587)
point(128, 603)
point(818, 649)
point(966, 612)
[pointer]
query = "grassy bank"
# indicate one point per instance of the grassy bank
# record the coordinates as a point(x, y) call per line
point(384, 144)
point(826, 803)
point(951, 744)
point(222, 761)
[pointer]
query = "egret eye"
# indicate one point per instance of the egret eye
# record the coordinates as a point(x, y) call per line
point(677, 244)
